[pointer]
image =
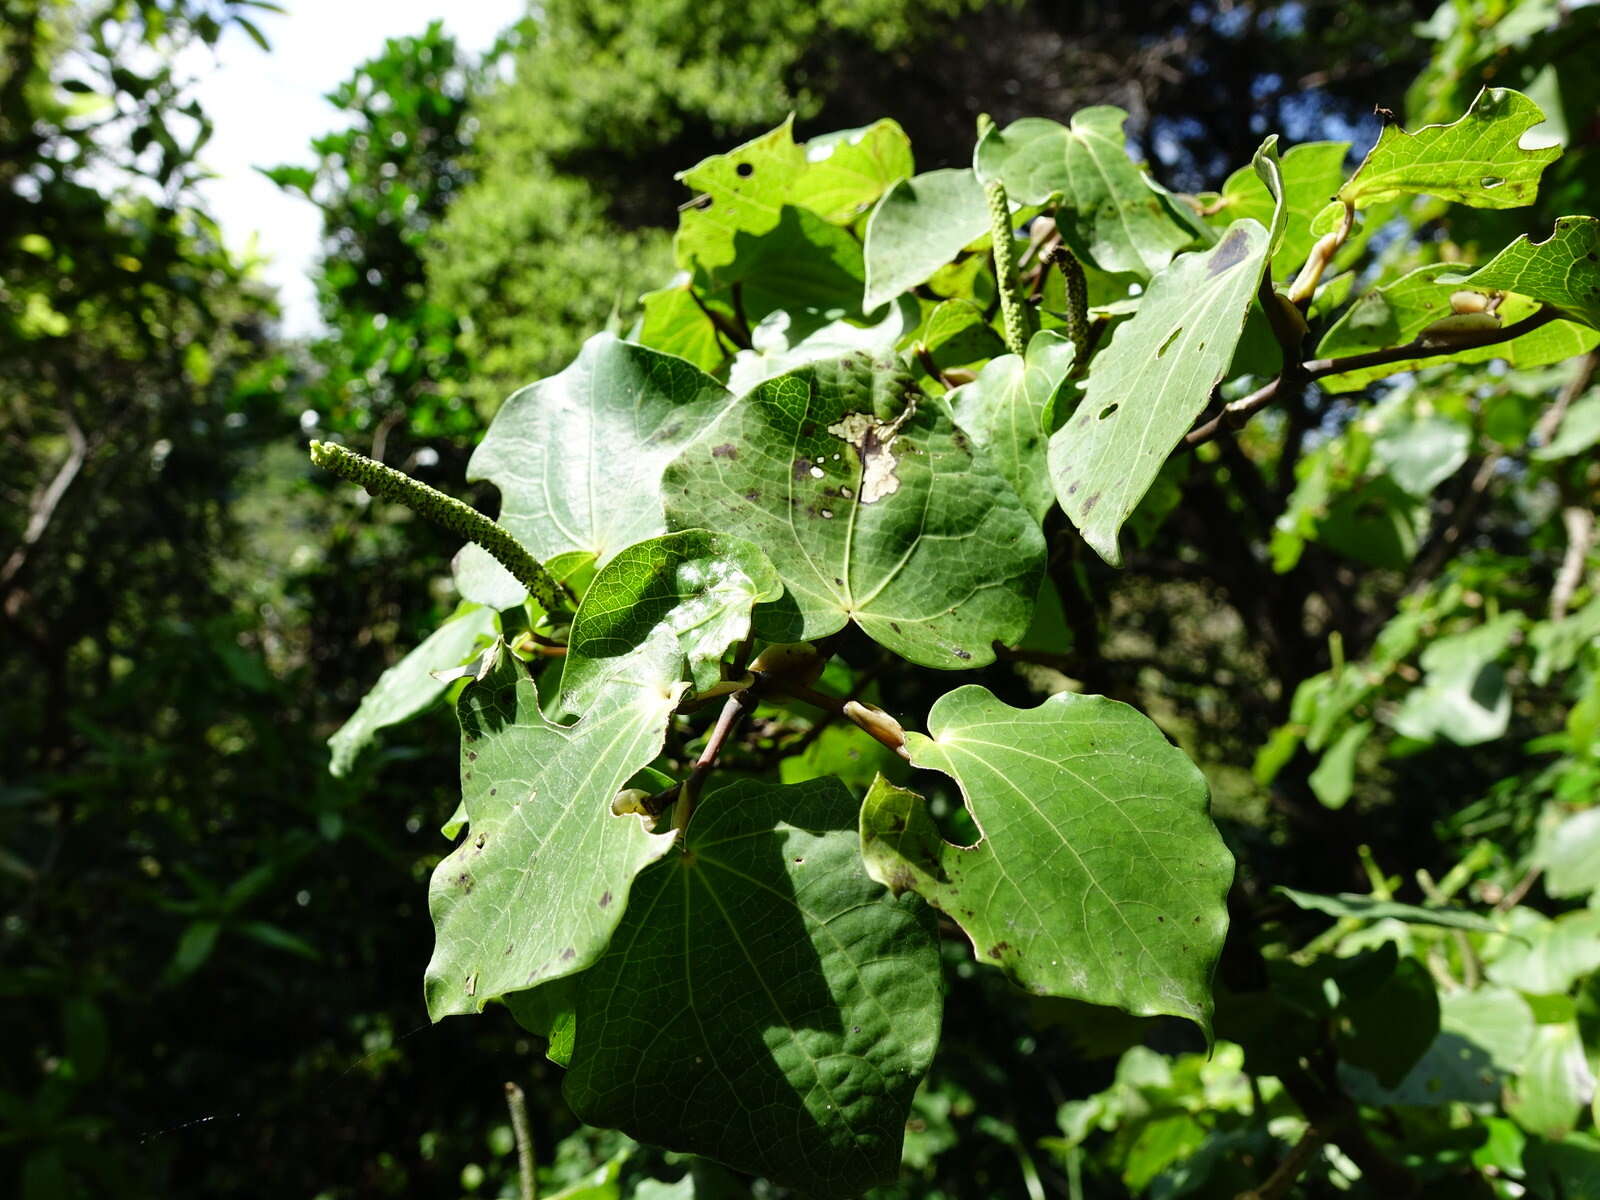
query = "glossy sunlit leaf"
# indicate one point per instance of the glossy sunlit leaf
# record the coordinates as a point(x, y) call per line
point(921, 224)
point(764, 1002)
point(1311, 173)
point(1545, 957)
point(1477, 160)
point(1484, 1035)
point(535, 888)
point(1421, 454)
point(1109, 211)
point(1464, 696)
point(674, 323)
point(410, 686)
point(1569, 852)
point(873, 507)
point(1563, 270)
point(1398, 312)
point(1554, 1084)
point(698, 586)
point(740, 192)
point(785, 340)
point(1334, 777)
point(1146, 389)
point(847, 171)
point(1098, 875)
point(1004, 411)
point(578, 457)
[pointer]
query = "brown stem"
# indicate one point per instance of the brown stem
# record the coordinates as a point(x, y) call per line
point(721, 323)
point(1291, 1168)
point(1579, 523)
point(1241, 410)
point(728, 719)
point(527, 1177)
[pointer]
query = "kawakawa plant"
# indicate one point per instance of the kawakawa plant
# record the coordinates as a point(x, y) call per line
point(692, 852)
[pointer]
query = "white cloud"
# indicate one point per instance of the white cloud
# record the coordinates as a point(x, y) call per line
point(266, 108)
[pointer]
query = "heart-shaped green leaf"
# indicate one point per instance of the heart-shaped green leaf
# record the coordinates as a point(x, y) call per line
point(764, 1002)
point(1563, 270)
point(918, 226)
point(1004, 410)
point(1477, 160)
point(535, 888)
point(1109, 212)
point(1146, 389)
point(874, 508)
point(698, 586)
point(578, 457)
point(1099, 875)
point(848, 170)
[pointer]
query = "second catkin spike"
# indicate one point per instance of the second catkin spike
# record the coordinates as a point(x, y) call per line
point(445, 511)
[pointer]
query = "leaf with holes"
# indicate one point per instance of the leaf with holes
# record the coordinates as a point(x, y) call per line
point(741, 192)
point(1477, 160)
point(764, 1002)
point(1146, 389)
point(698, 586)
point(1563, 270)
point(847, 171)
point(919, 226)
point(1099, 874)
point(1004, 410)
point(1109, 212)
point(873, 506)
point(1398, 312)
point(578, 457)
point(534, 890)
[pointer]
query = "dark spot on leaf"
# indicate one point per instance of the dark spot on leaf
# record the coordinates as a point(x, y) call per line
point(802, 468)
point(1233, 250)
point(1072, 488)
point(752, 495)
point(605, 900)
point(963, 655)
point(855, 1029)
point(726, 450)
point(745, 170)
point(895, 625)
point(1088, 505)
point(569, 954)
point(472, 756)
point(999, 948)
point(799, 860)
point(1107, 411)
point(510, 946)
point(1161, 920)
point(480, 841)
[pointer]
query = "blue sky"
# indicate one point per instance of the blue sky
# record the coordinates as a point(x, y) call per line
point(268, 107)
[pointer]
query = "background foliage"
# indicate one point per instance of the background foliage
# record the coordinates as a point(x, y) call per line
point(210, 946)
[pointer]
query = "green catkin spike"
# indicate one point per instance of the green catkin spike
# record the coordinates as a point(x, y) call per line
point(1005, 267)
point(1077, 303)
point(445, 511)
